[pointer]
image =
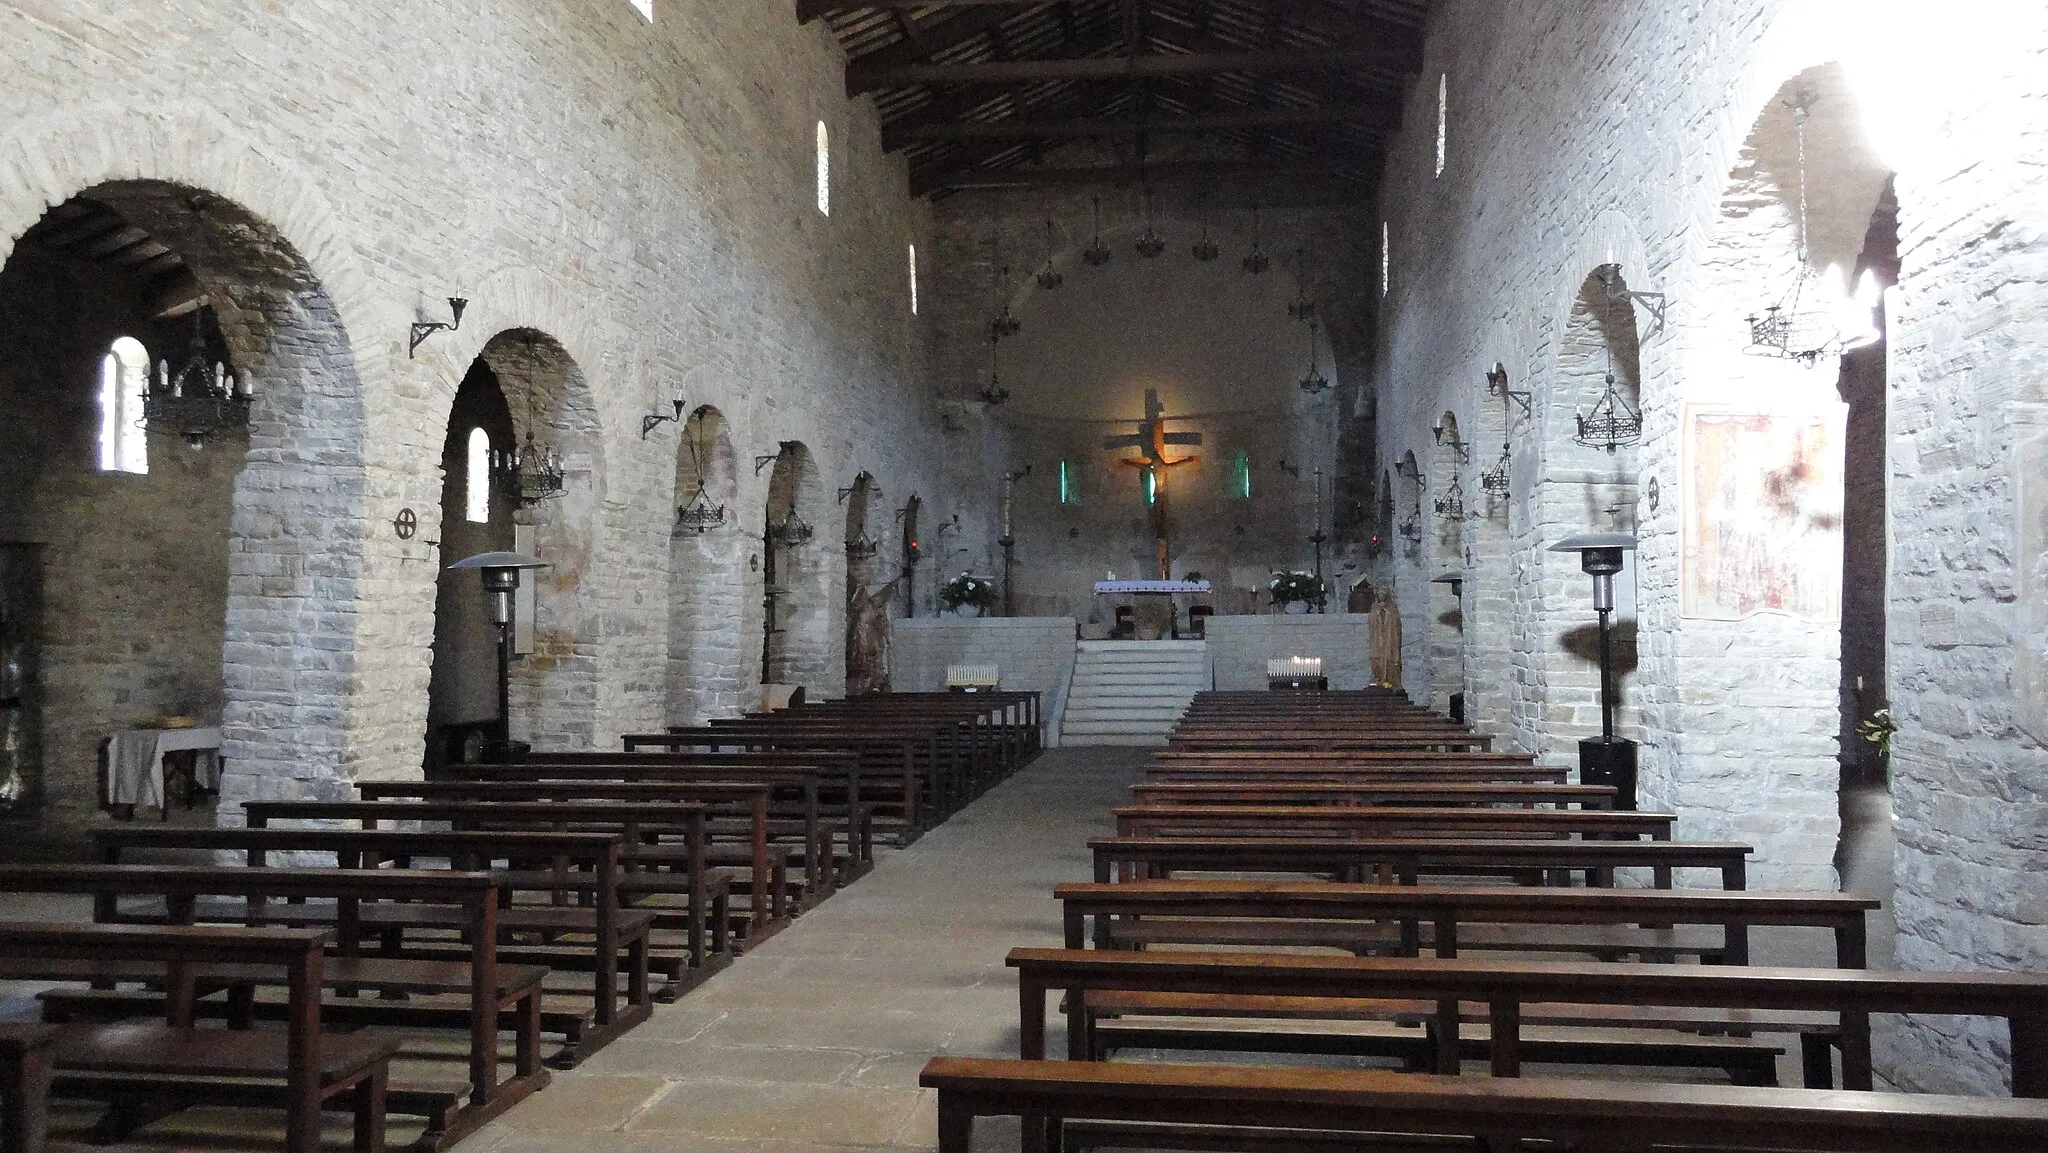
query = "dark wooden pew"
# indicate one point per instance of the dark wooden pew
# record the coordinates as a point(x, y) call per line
point(300, 1069)
point(1321, 913)
point(1299, 1105)
point(1432, 794)
point(617, 937)
point(1405, 860)
point(494, 993)
point(640, 823)
point(767, 870)
point(25, 1086)
point(1339, 820)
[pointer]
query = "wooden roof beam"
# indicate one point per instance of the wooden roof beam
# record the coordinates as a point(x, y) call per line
point(862, 79)
point(1205, 171)
point(1064, 128)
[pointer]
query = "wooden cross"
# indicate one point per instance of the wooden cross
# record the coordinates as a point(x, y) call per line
point(1151, 440)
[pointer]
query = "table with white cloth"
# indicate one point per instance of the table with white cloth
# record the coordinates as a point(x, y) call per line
point(135, 762)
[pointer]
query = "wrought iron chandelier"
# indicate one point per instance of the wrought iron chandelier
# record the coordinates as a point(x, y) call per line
point(1256, 261)
point(862, 547)
point(1411, 529)
point(1817, 318)
point(1313, 382)
point(994, 393)
point(1149, 244)
point(1049, 277)
point(1451, 505)
point(792, 530)
point(1205, 249)
point(1495, 481)
point(700, 514)
point(200, 397)
point(1303, 307)
point(531, 471)
point(1612, 423)
point(1097, 253)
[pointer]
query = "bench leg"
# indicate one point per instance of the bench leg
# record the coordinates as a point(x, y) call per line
point(369, 1128)
point(1817, 1060)
point(25, 1103)
point(956, 1126)
point(526, 1035)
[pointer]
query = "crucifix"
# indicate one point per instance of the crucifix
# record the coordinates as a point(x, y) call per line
point(1151, 440)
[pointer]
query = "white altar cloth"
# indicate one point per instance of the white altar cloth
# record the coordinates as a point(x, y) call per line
point(135, 762)
point(1113, 588)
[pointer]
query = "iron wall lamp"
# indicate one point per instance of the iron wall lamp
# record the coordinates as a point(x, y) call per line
point(654, 420)
point(422, 329)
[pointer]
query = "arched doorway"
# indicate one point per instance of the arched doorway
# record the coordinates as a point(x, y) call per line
point(795, 637)
point(151, 566)
point(476, 516)
point(706, 565)
point(1412, 588)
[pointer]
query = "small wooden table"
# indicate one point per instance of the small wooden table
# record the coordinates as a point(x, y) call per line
point(136, 772)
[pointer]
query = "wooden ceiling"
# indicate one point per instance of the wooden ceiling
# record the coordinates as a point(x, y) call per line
point(980, 93)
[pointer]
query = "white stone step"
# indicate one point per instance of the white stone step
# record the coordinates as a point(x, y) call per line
point(1126, 711)
point(1129, 740)
point(1135, 690)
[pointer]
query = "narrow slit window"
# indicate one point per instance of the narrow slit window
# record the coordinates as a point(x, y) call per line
point(1241, 475)
point(1386, 257)
point(476, 480)
point(645, 8)
point(824, 170)
point(913, 280)
point(1066, 482)
point(1443, 120)
point(124, 377)
point(1151, 486)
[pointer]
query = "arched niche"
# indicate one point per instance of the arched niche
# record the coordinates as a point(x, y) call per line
point(462, 692)
point(1219, 348)
point(1490, 590)
point(707, 560)
point(207, 585)
point(796, 646)
point(910, 550)
point(1414, 520)
point(870, 589)
point(554, 684)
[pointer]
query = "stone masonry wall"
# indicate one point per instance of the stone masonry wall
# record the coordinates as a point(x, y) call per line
point(1031, 653)
point(1239, 647)
point(640, 194)
point(1574, 142)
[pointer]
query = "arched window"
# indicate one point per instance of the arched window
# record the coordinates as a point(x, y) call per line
point(1241, 475)
point(476, 483)
point(824, 169)
point(913, 280)
point(1067, 495)
point(646, 8)
point(124, 375)
point(1443, 120)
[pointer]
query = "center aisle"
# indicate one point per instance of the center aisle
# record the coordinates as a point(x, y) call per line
point(814, 1041)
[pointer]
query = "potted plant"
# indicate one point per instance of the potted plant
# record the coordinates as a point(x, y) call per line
point(1295, 592)
point(1878, 731)
point(968, 591)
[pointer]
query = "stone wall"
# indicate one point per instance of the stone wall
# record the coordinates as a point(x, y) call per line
point(1240, 646)
point(1032, 653)
point(1571, 147)
point(639, 194)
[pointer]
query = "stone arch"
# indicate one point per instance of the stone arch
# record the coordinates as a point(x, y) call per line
point(796, 646)
point(706, 664)
point(285, 532)
point(555, 685)
point(462, 688)
point(1412, 531)
point(1490, 589)
point(1448, 509)
point(910, 550)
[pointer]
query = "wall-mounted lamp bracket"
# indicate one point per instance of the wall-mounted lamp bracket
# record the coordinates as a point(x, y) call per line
point(654, 420)
point(1655, 303)
point(422, 329)
point(1497, 385)
point(1454, 444)
point(761, 462)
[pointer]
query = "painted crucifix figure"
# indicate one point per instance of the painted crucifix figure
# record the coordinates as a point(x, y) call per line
point(1151, 441)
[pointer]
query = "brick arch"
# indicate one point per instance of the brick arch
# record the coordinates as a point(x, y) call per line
point(706, 659)
point(268, 249)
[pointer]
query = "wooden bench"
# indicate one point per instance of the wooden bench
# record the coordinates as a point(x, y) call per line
point(1405, 860)
point(491, 993)
point(767, 867)
point(301, 1068)
point(639, 823)
point(1513, 992)
point(617, 938)
point(1351, 916)
point(1496, 1116)
point(1356, 820)
point(25, 1086)
point(1285, 793)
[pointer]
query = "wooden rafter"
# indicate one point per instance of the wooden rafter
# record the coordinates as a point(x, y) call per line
point(861, 79)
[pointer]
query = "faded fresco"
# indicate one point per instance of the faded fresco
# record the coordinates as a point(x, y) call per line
point(1763, 512)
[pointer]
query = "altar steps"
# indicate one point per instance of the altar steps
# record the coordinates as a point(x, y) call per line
point(1132, 692)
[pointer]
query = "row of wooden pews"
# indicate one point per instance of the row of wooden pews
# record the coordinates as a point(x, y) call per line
point(431, 949)
point(1331, 909)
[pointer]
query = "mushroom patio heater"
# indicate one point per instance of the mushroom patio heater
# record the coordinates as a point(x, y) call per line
point(500, 571)
point(1606, 759)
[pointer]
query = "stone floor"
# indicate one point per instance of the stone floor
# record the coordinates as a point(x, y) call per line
point(814, 1040)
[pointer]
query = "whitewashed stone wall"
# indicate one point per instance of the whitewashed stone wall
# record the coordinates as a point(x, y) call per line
point(1240, 646)
point(1032, 653)
point(1582, 135)
point(641, 194)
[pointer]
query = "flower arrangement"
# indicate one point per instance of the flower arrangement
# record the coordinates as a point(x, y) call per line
point(1295, 587)
point(967, 589)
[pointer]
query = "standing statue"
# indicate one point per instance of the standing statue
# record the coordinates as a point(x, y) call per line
point(1386, 643)
point(867, 639)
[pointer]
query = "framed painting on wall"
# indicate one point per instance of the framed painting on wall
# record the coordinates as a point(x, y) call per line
point(1762, 506)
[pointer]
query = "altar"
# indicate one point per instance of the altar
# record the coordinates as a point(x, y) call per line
point(1152, 613)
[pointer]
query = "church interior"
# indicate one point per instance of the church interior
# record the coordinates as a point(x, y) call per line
point(660, 574)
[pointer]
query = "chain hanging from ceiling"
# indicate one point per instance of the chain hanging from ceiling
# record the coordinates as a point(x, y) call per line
point(531, 471)
point(1205, 249)
point(1799, 326)
point(699, 514)
point(1049, 277)
point(1313, 382)
point(1256, 261)
point(1097, 253)
point(1149, 244)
